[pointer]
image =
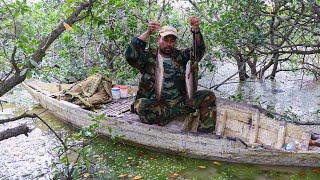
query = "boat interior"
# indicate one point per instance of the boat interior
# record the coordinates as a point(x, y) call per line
point(115, 108)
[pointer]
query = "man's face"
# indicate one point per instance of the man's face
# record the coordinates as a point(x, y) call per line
point(166, 44)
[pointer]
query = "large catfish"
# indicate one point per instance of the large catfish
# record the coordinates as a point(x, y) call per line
point(191, 76)
point(191, 79)
point(159, 75)
point(192, 121)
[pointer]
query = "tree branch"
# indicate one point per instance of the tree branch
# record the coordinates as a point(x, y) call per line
point(199, 11)
point(57, 136)
point(44, 45)
point(16, 131)
point(24, 115)
point(223, 82)
point(161, 10)
point(13, 19)
point(13, 61)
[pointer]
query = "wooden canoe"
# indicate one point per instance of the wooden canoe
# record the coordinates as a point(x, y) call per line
point(236, 123)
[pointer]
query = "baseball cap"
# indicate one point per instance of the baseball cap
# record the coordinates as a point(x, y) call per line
point(168, 30)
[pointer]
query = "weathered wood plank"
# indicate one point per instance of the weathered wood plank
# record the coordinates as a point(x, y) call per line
point(269, 124)
point(221, 122)
point(281, 135)
point(239, 115)
point(254, 127)
point(267, 137)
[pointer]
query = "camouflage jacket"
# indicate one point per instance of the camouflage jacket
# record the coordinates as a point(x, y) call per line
point(145, 61)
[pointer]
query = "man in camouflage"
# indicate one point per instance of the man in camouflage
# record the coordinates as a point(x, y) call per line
point(162, 94)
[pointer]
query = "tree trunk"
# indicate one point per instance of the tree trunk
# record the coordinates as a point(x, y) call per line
point(242, 70)
point(241, 62)
point(253, 67)
point(275, 59)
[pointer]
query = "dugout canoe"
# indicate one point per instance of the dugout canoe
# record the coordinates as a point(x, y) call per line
point(244, 133)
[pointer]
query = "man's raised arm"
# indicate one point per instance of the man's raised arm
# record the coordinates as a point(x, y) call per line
point(135, 52)
point(199, 43)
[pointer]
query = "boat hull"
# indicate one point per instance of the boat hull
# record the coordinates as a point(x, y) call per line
point(162, 139)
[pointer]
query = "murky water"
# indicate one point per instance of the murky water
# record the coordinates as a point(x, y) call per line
point(30, 157)
point(21, 156)
point(288, 93)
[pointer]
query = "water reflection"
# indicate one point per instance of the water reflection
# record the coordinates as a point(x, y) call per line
point(283, 94)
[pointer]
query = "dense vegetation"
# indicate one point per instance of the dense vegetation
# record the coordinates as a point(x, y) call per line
point(68, 40)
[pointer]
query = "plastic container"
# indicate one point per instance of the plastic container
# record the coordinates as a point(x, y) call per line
point(291, 147)
point(115, 91)
point(123, 91)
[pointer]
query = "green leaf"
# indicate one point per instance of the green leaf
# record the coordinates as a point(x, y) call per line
point(88, 134)
point(88, 163)
point(28, 75)
point(64, 159)
point(100, 117)
point(23, 72)
point(34, 63)
point(100, 23)
point(23, 39)
point(76, 173)
point(109, 129)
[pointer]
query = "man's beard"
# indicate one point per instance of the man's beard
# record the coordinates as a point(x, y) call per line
point(166, 51)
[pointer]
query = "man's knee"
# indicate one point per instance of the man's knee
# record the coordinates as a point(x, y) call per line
point(140, 105)
point(148, 110)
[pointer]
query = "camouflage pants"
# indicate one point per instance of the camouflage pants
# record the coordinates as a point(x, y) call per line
point(152, 111)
